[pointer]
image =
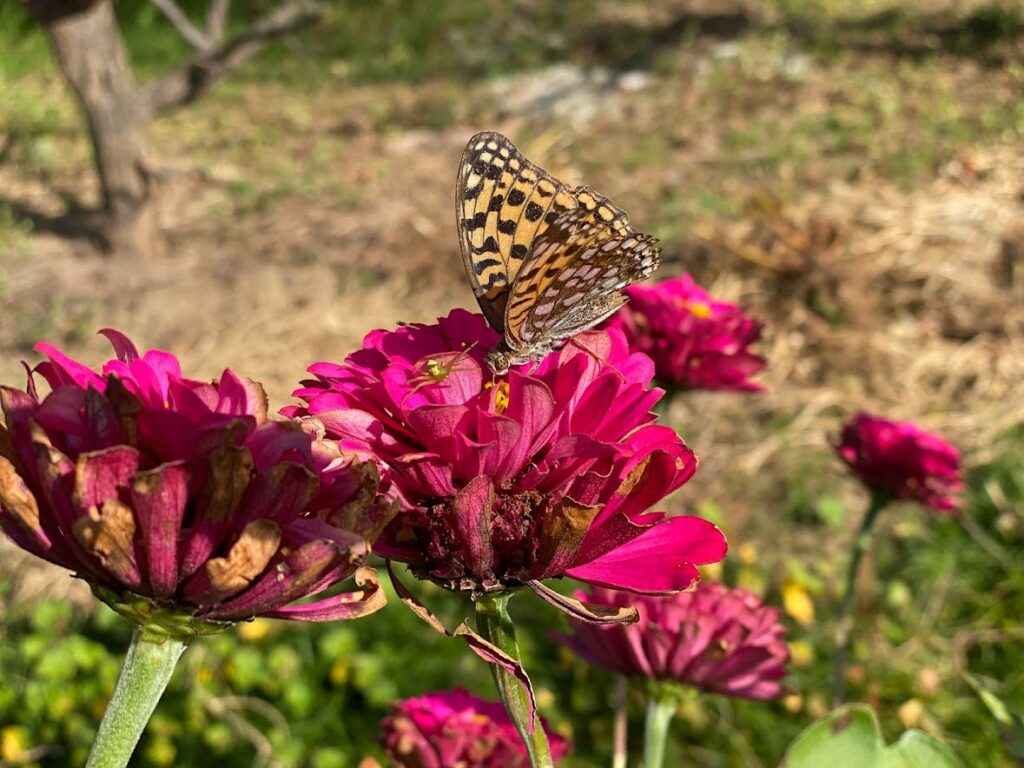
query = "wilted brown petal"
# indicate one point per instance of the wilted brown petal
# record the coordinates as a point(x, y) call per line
point(414, 604)
point(247, 559)
point(592, 613)
point(126, 408)
point(563, 532)
point(230, 471)
point(108, 533)
point(16, 498)
point(635, 478)
point(6, 446)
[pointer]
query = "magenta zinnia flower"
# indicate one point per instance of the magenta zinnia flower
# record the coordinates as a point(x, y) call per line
point(694, 341)
point(547, 472)
point(455, 728)
point(716, 639)
point(902, 460)
point(178, 501)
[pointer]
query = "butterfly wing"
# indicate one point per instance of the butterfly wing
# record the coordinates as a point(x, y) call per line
point(502, 203)
point(573, 277)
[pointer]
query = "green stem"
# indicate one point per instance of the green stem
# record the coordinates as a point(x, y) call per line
point(660, 712)
point(147, 669)
point(844, 623)
point(495, 625)
point(621, 730)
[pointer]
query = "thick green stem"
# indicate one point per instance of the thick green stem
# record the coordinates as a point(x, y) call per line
point(147, 669)
point(660, 712)
point(495, 625)
point(844, 623)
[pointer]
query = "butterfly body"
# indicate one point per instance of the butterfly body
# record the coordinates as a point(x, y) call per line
point(545, 260)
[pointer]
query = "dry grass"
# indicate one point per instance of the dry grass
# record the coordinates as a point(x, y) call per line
point(297, 222)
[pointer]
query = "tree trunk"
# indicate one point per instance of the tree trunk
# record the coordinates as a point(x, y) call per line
point(93, 59)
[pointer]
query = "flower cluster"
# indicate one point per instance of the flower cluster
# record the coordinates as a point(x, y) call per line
point(455, 728)
point(179, 501)
point(713, 638)
point(508, 481)
point(902, 460)
point(694, 341)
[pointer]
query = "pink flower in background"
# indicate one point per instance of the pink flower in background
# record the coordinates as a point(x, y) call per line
point(716, 639)
point(902, 460)
point(547, 472)
point(178, 500)
point(694, 341)
point(455, 728)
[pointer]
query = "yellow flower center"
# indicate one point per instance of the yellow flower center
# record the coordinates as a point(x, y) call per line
point(699, 309)
point(501, 397)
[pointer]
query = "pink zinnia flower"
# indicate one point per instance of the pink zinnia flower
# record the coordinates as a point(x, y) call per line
point(455, 728)
point(547, 472)
point(902, 460)
point(178, 501)
point(716, 639)
point(694, 341)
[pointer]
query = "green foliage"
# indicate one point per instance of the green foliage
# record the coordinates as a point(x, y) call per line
point(850, 738)
point(313, 695)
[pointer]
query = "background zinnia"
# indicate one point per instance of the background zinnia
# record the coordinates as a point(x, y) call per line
point(713, 638)
point(901, 459)
point(456, 728)
point(695, 341)
point(894, 460)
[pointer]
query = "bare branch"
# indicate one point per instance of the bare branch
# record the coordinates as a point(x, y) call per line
point(217, 19)
point(181, 23)
point(186, 84)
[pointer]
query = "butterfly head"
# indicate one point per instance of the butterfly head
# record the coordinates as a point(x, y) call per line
point(499, 360)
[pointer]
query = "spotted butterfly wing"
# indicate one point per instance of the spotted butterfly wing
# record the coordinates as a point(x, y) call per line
point(508, 209)
point(502, 200)
point(572, 280)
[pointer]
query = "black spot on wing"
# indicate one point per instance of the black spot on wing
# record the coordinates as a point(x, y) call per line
point(516, 198)
point(490, 245)
point(507, 226)
point(472, 193)
point(496, 202)
point(519, 251)
point(484, 264)
point(478, 221)
point(533, 212)
point(493, 281)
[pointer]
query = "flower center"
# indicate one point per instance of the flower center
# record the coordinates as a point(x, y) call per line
point(699, 309)
point(487, 553)
point(501, 397)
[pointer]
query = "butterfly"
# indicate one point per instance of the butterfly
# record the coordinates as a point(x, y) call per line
point(545, 260)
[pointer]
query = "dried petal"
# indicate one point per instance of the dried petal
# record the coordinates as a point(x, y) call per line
point(108, 533)
point(16, 498)
point(247, 559)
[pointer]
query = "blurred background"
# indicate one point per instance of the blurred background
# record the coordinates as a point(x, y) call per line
point(851, 173)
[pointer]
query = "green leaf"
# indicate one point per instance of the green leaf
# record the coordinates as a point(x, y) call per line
point(917, 749)
point(850, 738)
